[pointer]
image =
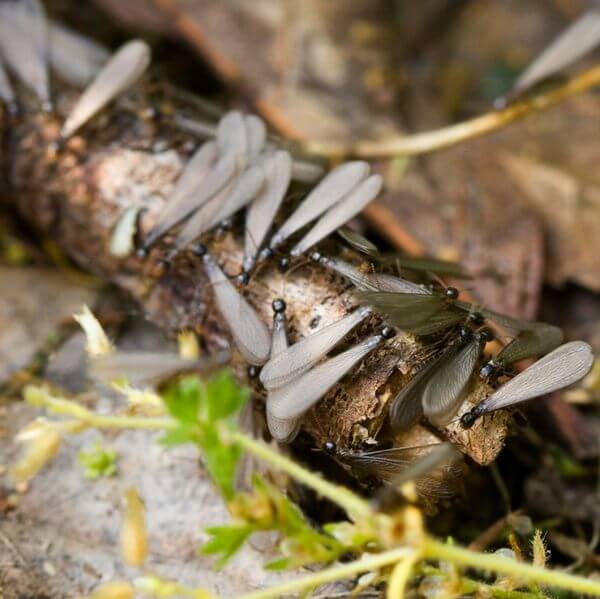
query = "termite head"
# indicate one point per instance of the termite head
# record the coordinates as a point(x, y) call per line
point(451, 293)
point(199, 250)
point(284, 263)
point(243, 278)
point(387, 332)
point(265, 254)
point(316, 256)
point(253, 371)
point(329, 447)
point(279, 306)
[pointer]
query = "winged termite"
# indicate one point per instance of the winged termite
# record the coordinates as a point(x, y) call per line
point(75, 58)
point(339, 214)
point(364, 246)
point(438, 388)
point(395, 466)
point(333, 188)
point(417, 312)
point(203, 176)
point(449, 382)
point(294, 399)
point(560, 368)
point(538, 339)
point(263, 209)
point(581, 37)
point(7, 95)
point(144, 368)
point(122, 70)
point(24, 45)
point(427, 472)
point(288, 365)
point(250, 334)
point(233, 197)
point(282, 429)
point(369, 281)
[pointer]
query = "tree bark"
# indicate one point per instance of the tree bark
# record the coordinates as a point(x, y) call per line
point(129, 157)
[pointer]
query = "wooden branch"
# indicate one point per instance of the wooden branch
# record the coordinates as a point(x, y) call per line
point(126, 157)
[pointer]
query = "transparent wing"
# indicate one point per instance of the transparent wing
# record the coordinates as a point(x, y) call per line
point(263, 209)
point(24, 44)
point(301, 394)
point(7, 95)
point(564, 366)
point(447, 386)
point(250, 334)
point(122, 70)
point(338, 215)
point(298, 358)
point(582, 36)
point(256, 133)
point(282, 429)
point(540, 339)
point(337, 184)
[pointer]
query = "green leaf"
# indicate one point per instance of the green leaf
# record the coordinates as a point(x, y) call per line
point(184, 433)
point(183, 399)
point(282, 563)
point(98, 462)
point(221, 459)
point(224, 396)
point(226, 541)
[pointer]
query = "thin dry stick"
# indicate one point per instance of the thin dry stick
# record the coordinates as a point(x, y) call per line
point(430, 141)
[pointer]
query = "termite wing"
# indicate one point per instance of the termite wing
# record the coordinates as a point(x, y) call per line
point(560, 368)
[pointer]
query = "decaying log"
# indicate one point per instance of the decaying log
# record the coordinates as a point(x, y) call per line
point(127, 156)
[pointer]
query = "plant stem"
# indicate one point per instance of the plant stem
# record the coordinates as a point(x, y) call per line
point(495, 563)
point(366, 564)
point(430, 141)
point(352, 503)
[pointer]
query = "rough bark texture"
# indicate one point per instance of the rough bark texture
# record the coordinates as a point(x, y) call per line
point(125, 157)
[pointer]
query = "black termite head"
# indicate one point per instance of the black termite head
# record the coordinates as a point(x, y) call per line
point(464, 332)
point(387, 332)
point(141, 252)
point(284, 263)
point(476, 318)
point(253, 371)
point(451, 293)
point(279, 306)
point(316, 256)
point(486, 334)
point(468, 419)
point(265, 254)
point(199, 250)
point(330, 447)
point(489, 369)
point(243, 278)
point(225, 225)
